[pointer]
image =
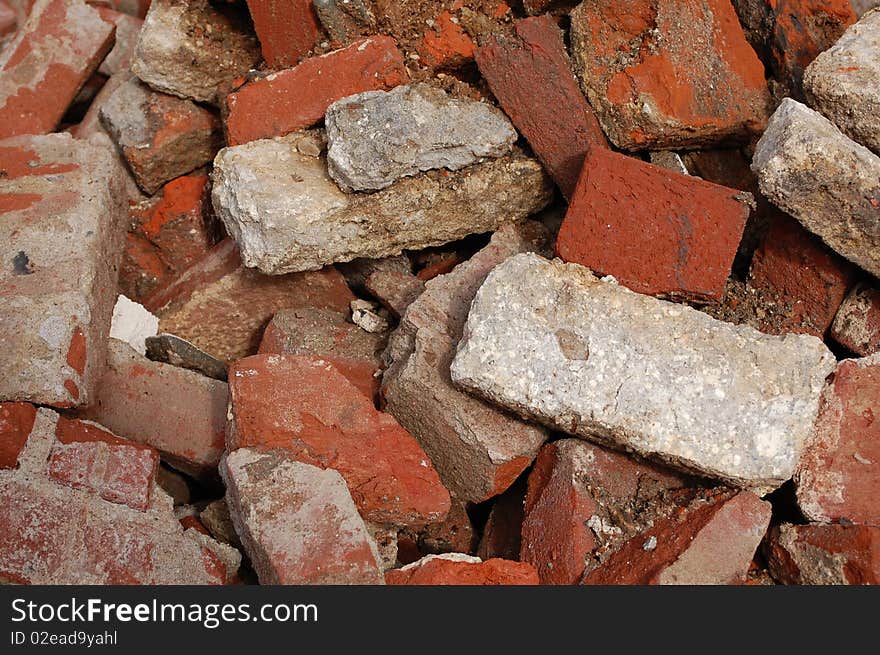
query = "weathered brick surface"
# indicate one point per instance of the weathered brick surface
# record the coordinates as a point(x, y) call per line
point(16, 421)
point(63, 220)
point(179, 412)
point(304, 405)
point(297, 98)
point(656, 231)
point(287, 29)
point(128, 29)
point(857, 323)
point(8, 19)
point(668, 74)
point(458, 569)
point(45, 65)
point(453, 534)
point(396, 290)
point(297, 522)
point(161, 136)
point(824, 554)
point(446, 45)
point(839, 473)
point(558, 122)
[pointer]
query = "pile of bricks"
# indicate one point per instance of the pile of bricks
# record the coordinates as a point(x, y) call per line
point(439, 292)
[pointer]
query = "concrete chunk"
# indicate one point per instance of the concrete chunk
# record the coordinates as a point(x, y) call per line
point(287, 214)
point(550, 341)
point(831, 184)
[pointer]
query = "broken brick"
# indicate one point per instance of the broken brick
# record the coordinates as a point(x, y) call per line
point(297, 98)
point(453, 534)
point(657, 232)
point(396, 290)
point(128, 28)
point(287, 29)
point(558, 122)
point(838, 476)
point(16, 422)
point(856, 326)
point(460, 569)
point(8, 19)
point(305, 406)
point(446, 45)
point(43, 68)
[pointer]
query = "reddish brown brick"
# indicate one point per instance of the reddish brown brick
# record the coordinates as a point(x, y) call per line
point(458, 569)
point(287, 29)
point(446, 45)
point(16, 422)
point(824, 554)
point(531, 77)
point(454, 534)
point(396, 290)
point(857, 323)
point(45, 65)
point(8, 19)
point(656, 231)
point(296, 98)
point(305, 406)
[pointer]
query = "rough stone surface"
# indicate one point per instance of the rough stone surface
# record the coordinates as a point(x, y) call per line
point(342, 19)
point(47, 62)
point(461, 569)
point(843, 83)
point(287, 29)
point(668, 74)
point(856, 326)
point(558, 122)
point(478, 449)
point(711, 541)
point(396, 290)
point(62, 221)
point(307, 407)
point(297, 522)
point(161, 136)
point(216, 519)
point(838, 476)
point(180, 413)
point(550, 341)
point(193, 49)
point(297, 98)
point(287, 214)
point(656, 231)
point(826, 181)
point(170, 349)
point(376, 137)
point(824, 554)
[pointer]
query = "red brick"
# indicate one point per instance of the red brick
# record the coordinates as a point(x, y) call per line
point(803, 278)
point(656, 231)
point(668, 74)
point(168, 234)
point(8, 19)
point(305, 406)
point(446, 45)
point(296, 98)
point(582, 502)
point(462, 570)
point(396, 290)
point(856, 325)
point(531, 77)
point(43, 67)
point(16, 422)
point(176, 411)
point(127, 30)
point(824, 554)
point(838, 476)
point(710, 541)
point(287, 29)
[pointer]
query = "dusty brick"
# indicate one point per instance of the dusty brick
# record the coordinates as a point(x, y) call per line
point(582, 503)
point(287, 29)
point(459, 569)
point(824, 554)
point(328, 334)
point(396, 290)
point(658, 232)
point(63, 221)
point(446, 45)
point(223, 308)
point(137, 8)
point(711, 541)
point(305, 406)
point(297, 522)
point(194, 49)
point(558, 121)
point(668, 74)
point(16, 422)
point(128, 29)
point(161, 136)
point(178, 412)
point(47, 62)
point(857, 323)
point(297, 98)
point(838, 476)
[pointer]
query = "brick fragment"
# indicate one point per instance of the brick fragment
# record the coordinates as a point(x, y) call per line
point(453, 534)
point(656, 231)
point(344, 20)
point(63, 219)
point(170, 349)
point(534, 7)
point(287, 29)
point(8, 20)
point(460, 569)
point(305, 406)
point(856, 326)
point(838, 476)
point(558, 122)
point(16, 422)
point(446, 45)
point(297, 98)
point(47, 62)
point(297, 522)
point(128, 28)
point(396, 290)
